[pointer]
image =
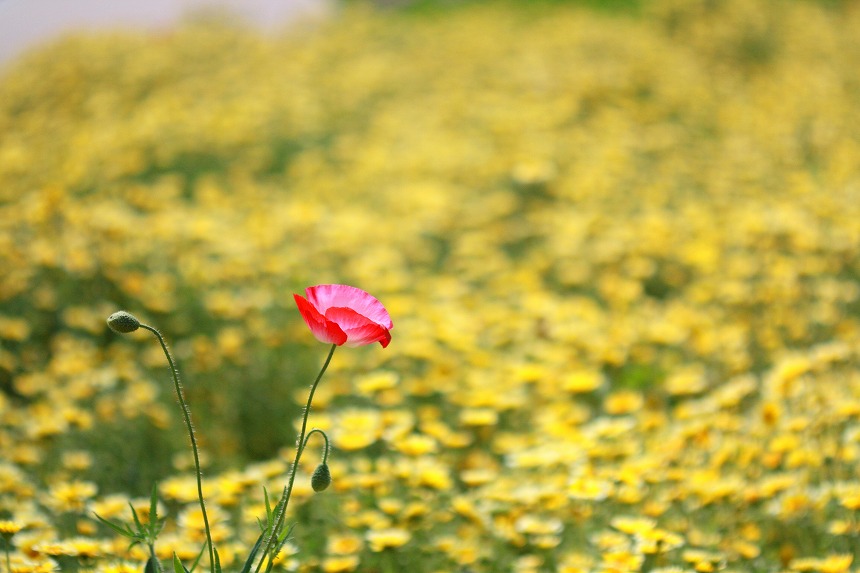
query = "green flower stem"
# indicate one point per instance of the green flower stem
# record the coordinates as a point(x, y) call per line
point(325, 437)
point(300, 447)
point(7, 546)
point(155, 558)
point(187, 415)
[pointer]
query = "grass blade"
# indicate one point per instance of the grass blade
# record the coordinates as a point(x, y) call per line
point(250, 562)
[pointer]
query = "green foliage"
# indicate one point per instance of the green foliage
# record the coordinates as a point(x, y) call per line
point(143, 533)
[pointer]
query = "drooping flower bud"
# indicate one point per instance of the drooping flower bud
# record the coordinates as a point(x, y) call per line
point(123, 322)
point(321, 478)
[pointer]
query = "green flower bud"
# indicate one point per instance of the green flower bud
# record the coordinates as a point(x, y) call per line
point(123, 322)
point(321, 478)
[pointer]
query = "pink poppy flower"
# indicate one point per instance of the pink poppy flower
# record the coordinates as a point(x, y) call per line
point(342, 314)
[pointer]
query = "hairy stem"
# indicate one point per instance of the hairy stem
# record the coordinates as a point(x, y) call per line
point(154, 558)
point(300, 447)
point(187, 415)
point(325, 437)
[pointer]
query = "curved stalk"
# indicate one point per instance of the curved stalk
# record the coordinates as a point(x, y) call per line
point(187, 416)
point(325, 437)
point(300, 447)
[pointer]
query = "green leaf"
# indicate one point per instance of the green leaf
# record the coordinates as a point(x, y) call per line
point(280, 508)
point(153, 505)
point(198, 558)
point(137, 522)
point(126, 531)
point(285, 535)
point(250, 562)
point(217, 561)
point(268, 506)
point(155, 528)
point(282, 540)
point(151, 566)
point(178, 567)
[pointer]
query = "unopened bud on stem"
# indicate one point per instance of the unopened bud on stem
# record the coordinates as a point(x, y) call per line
point(321, 478)
point(123, 322)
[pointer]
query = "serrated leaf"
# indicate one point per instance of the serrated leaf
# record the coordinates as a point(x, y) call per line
point(281, 502)
point(282, 540)
point(155, 528)
point(137, 521)
point(268, 506)
point(126, 532)
point(285, 535)
point(153, 505)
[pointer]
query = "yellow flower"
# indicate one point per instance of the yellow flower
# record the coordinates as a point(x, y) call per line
point(689, 379)
point(119, 568)
point(590, 488)
point(831, 564)
point(658, 541)
point(703, 561)
point(77, 460)
point(377, 381)
point(33, 565)
point(534, 525)
point(77, 547)
point(340, 563)
point(478, 476)
point(621, 561)
point(623, 402)
point(416, 445)
point(390, 538)
point(355, 429)
point(582, 381)
point(72, 496)
point(479, 417)
point(633, 525)
point(9, 528)
point(14, 328)
point(343, 544)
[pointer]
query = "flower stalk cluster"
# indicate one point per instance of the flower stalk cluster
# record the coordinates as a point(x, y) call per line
point(336, 314)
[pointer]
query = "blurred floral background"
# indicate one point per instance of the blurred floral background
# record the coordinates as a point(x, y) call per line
point(619, 243)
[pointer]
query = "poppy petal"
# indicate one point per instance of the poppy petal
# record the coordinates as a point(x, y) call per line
point(359, 329)
point(324, 297)
point(324, 330)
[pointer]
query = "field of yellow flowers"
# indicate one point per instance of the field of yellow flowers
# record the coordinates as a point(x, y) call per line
point(621, 253)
